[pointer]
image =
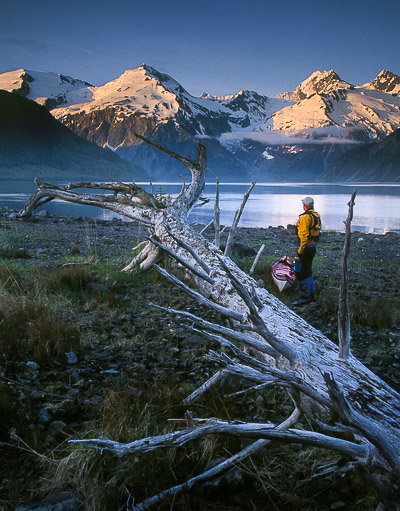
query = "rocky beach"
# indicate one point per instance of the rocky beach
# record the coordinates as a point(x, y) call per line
point(119, 342)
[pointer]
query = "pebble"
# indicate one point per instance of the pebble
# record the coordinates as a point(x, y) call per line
point(72, 357)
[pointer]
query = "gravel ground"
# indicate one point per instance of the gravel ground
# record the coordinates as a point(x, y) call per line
point(120, 333)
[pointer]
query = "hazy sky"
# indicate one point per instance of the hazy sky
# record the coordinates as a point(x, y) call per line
point(216, 46)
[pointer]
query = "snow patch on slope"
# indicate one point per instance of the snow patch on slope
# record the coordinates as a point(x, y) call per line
point(39, 86)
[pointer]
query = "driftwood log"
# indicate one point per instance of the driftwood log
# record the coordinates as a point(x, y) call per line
point(268, 344)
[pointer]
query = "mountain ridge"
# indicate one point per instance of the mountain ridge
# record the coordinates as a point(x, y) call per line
point(248, 135)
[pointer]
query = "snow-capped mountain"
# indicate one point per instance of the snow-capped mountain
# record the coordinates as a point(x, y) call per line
point(47, 89)
point(318, 83)
point(353, 113)
point(248, 135)
point(155, 105)
point(386, 82)
point(147, 93)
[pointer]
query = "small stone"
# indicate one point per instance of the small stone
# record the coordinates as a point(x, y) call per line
point(74, 249)
point(44, 415)
point(56, 427)
point(71, 357)
point(32, 366)
point(338, 505)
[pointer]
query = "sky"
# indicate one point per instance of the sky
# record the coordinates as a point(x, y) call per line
point(214, 46)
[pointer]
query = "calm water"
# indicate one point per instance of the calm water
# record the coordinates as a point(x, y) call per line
point(377, 207)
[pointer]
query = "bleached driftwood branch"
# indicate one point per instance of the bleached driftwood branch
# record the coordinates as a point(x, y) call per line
point(217, 213)
point(235, 222)
point(259, 253)
point(344, 313)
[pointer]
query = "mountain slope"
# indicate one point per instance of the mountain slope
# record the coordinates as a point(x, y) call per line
point(34, 144)
point(47, 89)
point(318, 83)
point(292, 137)
point(153, 104)
point(355, 113)
point(386, 82)
point(376, 162)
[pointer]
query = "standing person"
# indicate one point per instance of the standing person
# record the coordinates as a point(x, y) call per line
point(308, 227)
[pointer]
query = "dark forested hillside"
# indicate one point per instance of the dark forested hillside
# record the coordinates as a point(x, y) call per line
point(375, 162)
point(34, 144)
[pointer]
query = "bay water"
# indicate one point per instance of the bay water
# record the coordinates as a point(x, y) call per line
point(377, 206)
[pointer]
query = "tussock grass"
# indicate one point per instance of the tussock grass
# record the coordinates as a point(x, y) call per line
point(9, 279)
point(69, 278)
point(376, 313)
point(105, 481)
point(10, 245)
point(31, 331)
point(279, 477)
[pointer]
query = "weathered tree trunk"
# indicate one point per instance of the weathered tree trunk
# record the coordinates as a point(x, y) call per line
point(288, 351)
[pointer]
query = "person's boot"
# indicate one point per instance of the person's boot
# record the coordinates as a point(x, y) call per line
point(303, 300)
point(307, 295)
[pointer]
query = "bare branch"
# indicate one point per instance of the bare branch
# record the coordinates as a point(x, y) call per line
point(189, 196)
point(207, 226)
point(344, 313)
point(217, 426)
point(268, 374)
point(182, 261)
point(137, 207)
point(253, 267)
point(259, 325)
point(238, 214)
point(247, 340)
point(217, 216)
point(191, 251)
point(219, 469)
point(224, 311)
point(216, 378)
point(182, 159)
point(347, 412)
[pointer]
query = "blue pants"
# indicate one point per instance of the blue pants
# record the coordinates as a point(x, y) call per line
point(304, 272)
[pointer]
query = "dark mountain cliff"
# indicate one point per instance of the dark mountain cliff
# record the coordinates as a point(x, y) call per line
point(375, 162)
point(34, 144)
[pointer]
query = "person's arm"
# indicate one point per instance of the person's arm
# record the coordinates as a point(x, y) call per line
point(303, 232)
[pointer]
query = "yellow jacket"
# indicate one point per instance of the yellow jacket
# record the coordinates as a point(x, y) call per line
point(308, 228)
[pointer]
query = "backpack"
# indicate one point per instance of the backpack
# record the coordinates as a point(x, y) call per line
point(316, 225)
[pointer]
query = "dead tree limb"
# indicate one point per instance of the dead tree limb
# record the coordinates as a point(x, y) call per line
point(217, 212)
point(207, 226)
point(344, 313)
point(259, 253)
point(235, 222)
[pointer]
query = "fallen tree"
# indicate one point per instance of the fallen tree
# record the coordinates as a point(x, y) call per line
point(264, 342)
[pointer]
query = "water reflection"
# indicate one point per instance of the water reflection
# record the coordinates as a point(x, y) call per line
point(377, 207)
